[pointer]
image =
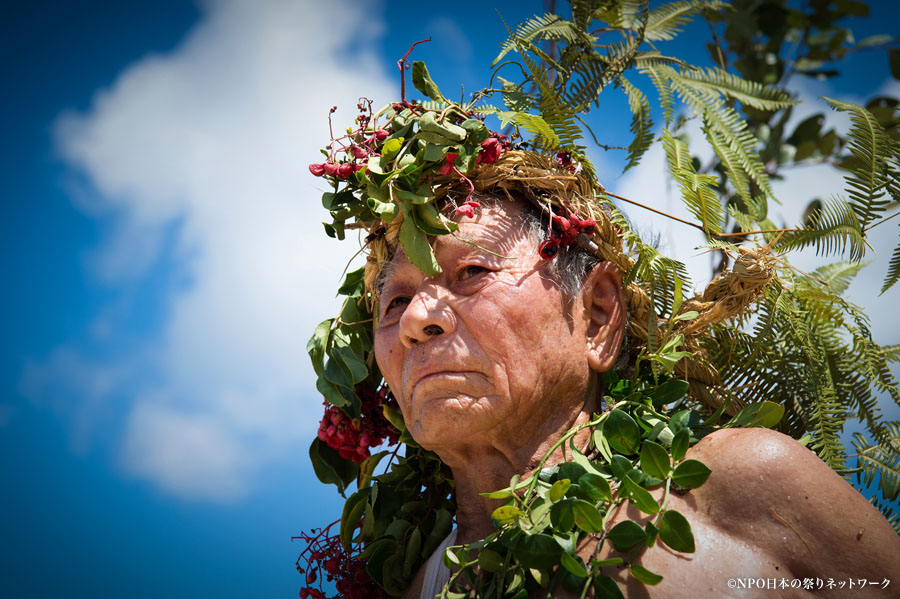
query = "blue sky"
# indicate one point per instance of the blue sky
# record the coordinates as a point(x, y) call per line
point(165, 267)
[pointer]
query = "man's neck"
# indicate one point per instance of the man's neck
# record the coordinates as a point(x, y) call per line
point(486, 468)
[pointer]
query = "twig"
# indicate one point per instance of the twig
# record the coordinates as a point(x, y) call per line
point(876, 223)
point(402, 64)
point(660, 212)
point(721, 57)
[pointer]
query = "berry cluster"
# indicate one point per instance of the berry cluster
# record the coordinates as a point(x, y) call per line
point(491, 148)
point(325, 557)
point(357, 145)
point(564, 159)
point(568, 229)
point(352, 438)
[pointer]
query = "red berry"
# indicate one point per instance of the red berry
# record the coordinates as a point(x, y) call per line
point(345, 170)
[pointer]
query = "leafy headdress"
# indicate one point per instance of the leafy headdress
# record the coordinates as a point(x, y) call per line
point(396, 180)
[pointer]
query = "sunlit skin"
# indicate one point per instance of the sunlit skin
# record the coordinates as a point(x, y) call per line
point(491, 364)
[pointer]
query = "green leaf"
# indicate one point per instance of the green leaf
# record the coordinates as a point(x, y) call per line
point(606, 588)
point(355, 367)
point(680, 444)
point(489, 560)
point(652, 533)
point(506, 513)
point(670, 391)
point(690, 474)
point(894, 58)
point(394, 416)
point(389, 149)
point(559, 488)
point(622, 432)
point(644, 575)
point(626, 535)
point(434, 152)
point(562, 515)
point(538, 551)
point(675, 531)
point(573, 564)
point(596, 487)
point(353, 511)
point(620, 466)
point(422, 82)
point(353, 284)
point(587, 517)
point(330, 467)
point(640, 497)
point(416, 247)
point(655, 460)
point(764, 413)
point(874, 40)
point(542, 577)
point(316, 345)
point(412, 551)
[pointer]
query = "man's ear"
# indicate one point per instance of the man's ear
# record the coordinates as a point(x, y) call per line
point(604, 303)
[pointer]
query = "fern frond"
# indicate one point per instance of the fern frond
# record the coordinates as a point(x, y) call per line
point(838, 275)
point(833, 228)
point(726, 129)
point(532, 123)
point(664, 89)
point(514, 98)
point(627, 14)
point(893, 273)
point(697, 190)
point(881, 460)
point(641, 123)
point(652, 58)
point(665, 22)
point(867, 181)
point(749, 93)
point(547, 27)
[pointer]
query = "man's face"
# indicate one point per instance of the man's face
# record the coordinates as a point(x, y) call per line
point(490, 346)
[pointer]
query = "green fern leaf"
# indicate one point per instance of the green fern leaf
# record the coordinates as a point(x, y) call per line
point(641, 124)
point(749, 93)
point(546, 27)
point(893, 274)
point(867, 182)
point(697, 190)
point(833, 228)
point(665, 22)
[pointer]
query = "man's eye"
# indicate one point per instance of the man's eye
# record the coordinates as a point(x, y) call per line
point(470, 271)
point(397, 302)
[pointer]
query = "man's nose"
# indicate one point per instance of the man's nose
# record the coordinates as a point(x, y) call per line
point(427, 315)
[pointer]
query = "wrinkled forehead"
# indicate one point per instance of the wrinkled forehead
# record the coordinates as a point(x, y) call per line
point(498, 231)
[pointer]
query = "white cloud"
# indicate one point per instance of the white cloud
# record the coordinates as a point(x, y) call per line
point(201, 154)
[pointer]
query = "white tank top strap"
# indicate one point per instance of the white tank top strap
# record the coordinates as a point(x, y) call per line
point(436, 573)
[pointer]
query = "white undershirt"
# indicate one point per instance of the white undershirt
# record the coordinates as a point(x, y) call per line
point(436, 573)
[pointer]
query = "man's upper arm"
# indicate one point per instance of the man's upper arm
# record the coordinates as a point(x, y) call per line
point(771, 491)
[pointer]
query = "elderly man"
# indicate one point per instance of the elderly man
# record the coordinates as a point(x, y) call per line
point(493, 359)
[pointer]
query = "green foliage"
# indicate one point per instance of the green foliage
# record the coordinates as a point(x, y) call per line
point(868, 178)
point(545, 517)
point(880, 463)
point(697, 191)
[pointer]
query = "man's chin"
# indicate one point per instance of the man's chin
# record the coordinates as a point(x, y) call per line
point(445, 419)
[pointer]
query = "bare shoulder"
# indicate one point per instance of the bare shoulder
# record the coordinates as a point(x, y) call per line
point(769, 489)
